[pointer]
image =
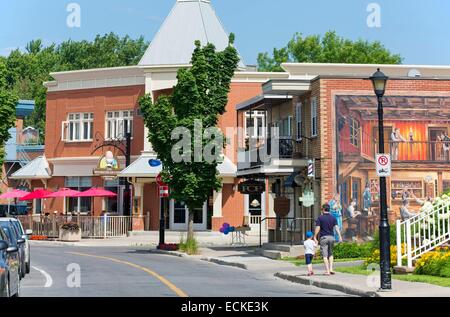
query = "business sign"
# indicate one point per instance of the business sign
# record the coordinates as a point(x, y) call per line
point(108, 166)
point(307, 199)
point(251, 187)
point(383, 165)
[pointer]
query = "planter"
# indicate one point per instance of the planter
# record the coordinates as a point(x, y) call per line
point(69, 235)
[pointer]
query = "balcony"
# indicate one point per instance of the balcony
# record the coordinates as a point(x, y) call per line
point(420, 151)
point(272, 153)
point(23, 143)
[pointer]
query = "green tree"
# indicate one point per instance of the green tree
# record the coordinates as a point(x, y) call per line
point(8, 103)
point(198, 99)
point(330, 48)
point(27, 71)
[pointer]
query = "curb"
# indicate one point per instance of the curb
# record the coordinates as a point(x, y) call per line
point(172, 253)
point(327, 285)
point(225, 263)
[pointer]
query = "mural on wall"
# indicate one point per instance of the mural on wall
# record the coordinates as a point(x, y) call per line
point(416, 134)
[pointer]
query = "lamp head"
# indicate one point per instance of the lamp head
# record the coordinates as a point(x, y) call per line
point(379, 80)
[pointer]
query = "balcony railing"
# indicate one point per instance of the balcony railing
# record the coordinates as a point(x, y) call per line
point(262, 151)
point(426, 151)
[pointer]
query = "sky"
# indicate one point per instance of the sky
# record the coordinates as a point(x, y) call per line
point(416, 29)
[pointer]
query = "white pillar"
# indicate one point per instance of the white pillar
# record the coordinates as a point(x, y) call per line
point(217, 204)
point(148, 90)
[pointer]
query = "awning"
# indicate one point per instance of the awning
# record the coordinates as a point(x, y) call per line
point(36, 169)
point(141, 168)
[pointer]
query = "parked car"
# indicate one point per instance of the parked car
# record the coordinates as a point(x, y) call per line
point(9, 267)
point(25, 234)
point(15, 240)
point(14, 210)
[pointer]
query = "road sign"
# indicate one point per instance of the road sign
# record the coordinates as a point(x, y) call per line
point(384, 165)
point(311, 169)
point(163, 191)
point(159, 181)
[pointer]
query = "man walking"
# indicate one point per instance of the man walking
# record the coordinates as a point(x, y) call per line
point(324, 236)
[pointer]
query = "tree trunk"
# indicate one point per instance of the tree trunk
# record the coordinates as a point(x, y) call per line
point(191, 224)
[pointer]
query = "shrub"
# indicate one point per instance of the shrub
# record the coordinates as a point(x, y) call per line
point(392, 234)
point(375, 256)
point(190, 246)
point(436, 263)
point(352, 250)
point(70, 226)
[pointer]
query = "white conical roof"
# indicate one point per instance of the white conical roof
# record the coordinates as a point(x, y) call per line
point(189, 20)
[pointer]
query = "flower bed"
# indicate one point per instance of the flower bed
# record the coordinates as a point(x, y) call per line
point(436, 263)
point(168, 247)
point(38, 238)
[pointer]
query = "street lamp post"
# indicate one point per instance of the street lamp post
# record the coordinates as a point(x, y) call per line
point(379, 81)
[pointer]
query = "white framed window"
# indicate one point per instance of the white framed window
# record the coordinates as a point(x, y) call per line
point(299, 121)
point(354, 132)
point(79, 127)
point(286, 127)
point(255, 124)
point(314, 121)
point(118, 123)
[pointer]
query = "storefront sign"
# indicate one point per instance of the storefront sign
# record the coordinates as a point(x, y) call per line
point(307, 199)
point(282, 206)
point(251, 187)
point(108, 166)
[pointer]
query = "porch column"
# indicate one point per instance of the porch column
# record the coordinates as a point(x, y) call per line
point(217, 211)
point(138, 218)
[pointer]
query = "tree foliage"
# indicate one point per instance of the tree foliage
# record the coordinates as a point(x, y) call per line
point(330, 48)
point(27, 71)
point(7, 110)
point(200, 95)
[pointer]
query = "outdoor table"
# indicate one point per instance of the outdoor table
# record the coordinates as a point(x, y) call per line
point(238, 236)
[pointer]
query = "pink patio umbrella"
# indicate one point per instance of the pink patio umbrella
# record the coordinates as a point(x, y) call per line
point(16, 193)
point(64, 193)
point(96, 192)
point(37, 194)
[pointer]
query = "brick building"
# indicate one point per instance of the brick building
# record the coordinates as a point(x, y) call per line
point(327, 113)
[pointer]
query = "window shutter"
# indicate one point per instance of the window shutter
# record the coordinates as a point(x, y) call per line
point(64, 131)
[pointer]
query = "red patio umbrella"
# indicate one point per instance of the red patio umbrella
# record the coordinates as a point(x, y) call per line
point(96, 192)
point(63, 193)
point(16, 193)
point(37, 194)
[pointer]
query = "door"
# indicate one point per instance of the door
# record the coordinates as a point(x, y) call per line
point(179, 216)
point(436, 147)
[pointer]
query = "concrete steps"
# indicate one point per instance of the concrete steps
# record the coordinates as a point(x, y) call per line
point(277, 251)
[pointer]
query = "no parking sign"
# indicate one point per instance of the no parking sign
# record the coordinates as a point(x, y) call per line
point(384, 165)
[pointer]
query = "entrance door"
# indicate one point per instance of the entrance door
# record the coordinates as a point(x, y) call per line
point(179, 217)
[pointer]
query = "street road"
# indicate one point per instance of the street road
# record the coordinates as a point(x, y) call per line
point(134, 272)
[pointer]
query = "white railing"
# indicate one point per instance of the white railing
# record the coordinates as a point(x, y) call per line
point(422, 233)
point(91, 226)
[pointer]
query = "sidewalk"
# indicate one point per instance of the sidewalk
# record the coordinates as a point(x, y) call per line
point(151, 239)
point(359, 285)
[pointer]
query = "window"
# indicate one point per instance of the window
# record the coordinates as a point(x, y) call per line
point(299, 122)
point(354, 132)
point(112, 204)
point(82, 204)
point(286, 127)
point(118, 123)
point(255, 122)
point(79, 127)
point(314, 127)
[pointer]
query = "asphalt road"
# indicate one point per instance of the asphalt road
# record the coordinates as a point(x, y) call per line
point(133, 272)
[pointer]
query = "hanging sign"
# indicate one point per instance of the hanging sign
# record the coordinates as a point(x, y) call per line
point(307, 199)
point(383, 165)
point(251, 187)
point(108, 166)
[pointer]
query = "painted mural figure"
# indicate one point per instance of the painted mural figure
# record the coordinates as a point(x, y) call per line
point(446, 147)
point(367, 196)
point(396, 138)
point(404, 210)
point(336, 211)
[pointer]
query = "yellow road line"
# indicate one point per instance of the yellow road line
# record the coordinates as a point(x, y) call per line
point(162, 279)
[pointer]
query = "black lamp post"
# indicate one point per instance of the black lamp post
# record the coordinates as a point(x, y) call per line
point(379, 81)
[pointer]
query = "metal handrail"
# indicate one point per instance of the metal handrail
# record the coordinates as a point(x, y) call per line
point(269, 218)
point(294, 222)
